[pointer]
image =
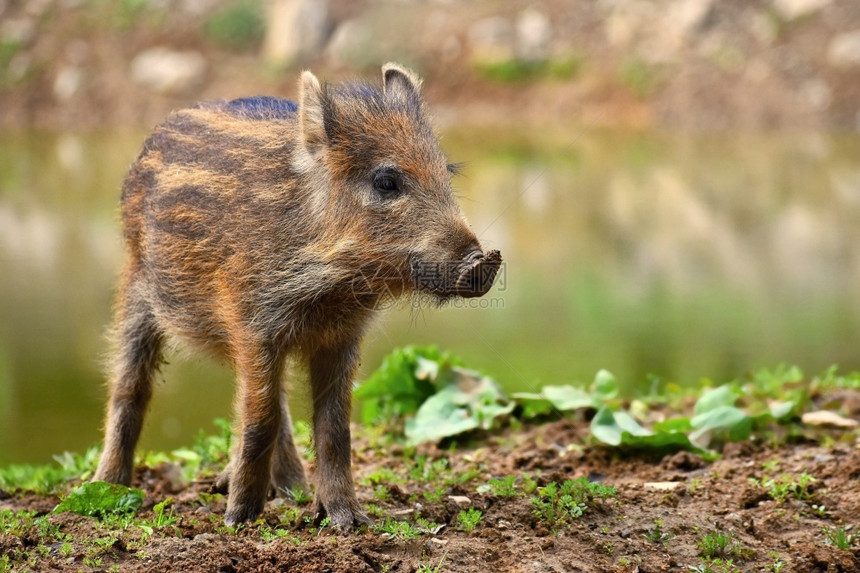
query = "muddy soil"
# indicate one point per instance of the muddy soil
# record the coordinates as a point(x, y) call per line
point(663, 509)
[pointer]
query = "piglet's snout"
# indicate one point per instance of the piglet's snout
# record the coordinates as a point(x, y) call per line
point(477, 273)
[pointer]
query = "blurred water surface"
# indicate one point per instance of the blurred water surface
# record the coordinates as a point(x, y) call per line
point(681, 256)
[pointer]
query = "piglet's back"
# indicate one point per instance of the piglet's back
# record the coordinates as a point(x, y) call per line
point(205, 166)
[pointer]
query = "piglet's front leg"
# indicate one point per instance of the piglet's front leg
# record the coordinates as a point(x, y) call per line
point(331, 372)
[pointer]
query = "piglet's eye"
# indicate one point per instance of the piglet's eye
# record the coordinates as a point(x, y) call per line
point(385, 183)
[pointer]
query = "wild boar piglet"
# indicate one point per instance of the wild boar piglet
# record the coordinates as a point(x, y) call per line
point(258, 229)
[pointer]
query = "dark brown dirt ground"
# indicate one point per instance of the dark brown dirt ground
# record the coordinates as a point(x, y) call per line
point(617, 535)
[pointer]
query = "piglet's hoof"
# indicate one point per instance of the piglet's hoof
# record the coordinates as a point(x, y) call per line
point(243, 512)
point(345, 514)
point(222, 482)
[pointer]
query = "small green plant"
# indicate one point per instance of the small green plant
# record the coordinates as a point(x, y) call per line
point(48, 479)
point(96, 548)
point(383, 475)
point(103, 544)
point(209, 452)
point(424, 470)
point(562, 504)
point(716, 565)
point(656, 533)
point(504, 487)
point(426, 525)
point(609, 548)
point(719, 545)
point(779, 489)
point(300, 495)
point(230, 529)
point(268, 534)
point(802, 490)
point(839, 537)
point(99, 499)
point(397, 529)
point(326, 521)
point(163, 517)
point(436, 495)
point(462, 478)
point(427, 568)
point(374, 510)
point(469, 519)
point(46, 529)
point(771, 466)
point(695, 485)
point(777, 565)
point(381, 493)
point(785, 486)
point(208, 499)
point(290, 516)
point(529, 485)
point(15, 522)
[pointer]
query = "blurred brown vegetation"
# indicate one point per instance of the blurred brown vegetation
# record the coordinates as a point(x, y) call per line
point(689, 64)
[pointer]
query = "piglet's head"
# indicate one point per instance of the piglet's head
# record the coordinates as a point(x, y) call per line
point(387, 186)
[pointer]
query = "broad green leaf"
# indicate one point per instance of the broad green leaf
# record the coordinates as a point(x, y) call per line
point(629, 424)
point(438, 418)
point(489, 411)
point(534, 405)
point(567, 398)
point(673, 425)
point(780, 410)
point(186, 455)
point(639, 409)
point(608, 426)
point(605, 385)
point(100, 498)
point(721, 417)
point(621, 429)
point(426, 369)
point(469, 401)
point(562, 398)
point(723, 423)
point(725, 395)
point(406, 378)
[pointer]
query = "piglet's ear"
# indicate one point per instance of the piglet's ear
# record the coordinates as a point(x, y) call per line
point(311, 120)
point(399, 82)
